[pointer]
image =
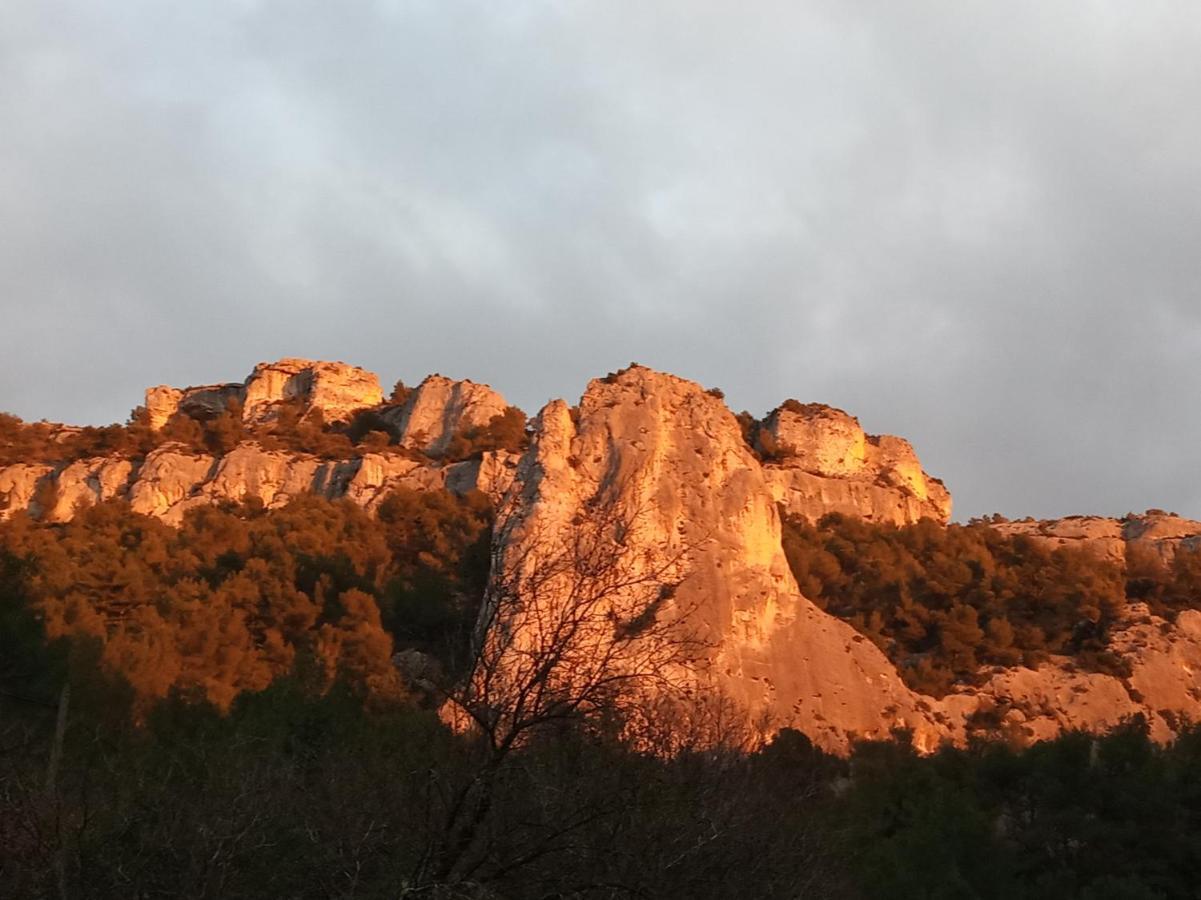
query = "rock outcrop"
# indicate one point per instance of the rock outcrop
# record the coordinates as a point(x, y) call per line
point(1028, 705)
point(660, 471)
point(335, 389)
point(1156, 531)
point(439, 408)
point(86, 482)
point(819, 460)
point(173, 479)
point(662, 452)
point(19, 487)
point(661, 446)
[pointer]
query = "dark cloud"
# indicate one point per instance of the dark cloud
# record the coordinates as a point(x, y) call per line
point(972, 226)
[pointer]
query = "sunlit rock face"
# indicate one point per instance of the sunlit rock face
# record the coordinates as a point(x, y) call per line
point(168, 476)
point(441, 407)
point(662, 449)
point(819, 460)
point(1154, 531)
point(1036, 704)
point(335, 389)
point(19, 486)
point(87, 482)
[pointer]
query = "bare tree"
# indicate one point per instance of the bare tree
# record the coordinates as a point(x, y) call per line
point(580, 628)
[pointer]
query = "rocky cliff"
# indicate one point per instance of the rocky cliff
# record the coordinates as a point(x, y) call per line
point(667, 462)
point(172, 477)
point(820, 460)
point(334, 389)
point(688, 498)
point(1154, 531)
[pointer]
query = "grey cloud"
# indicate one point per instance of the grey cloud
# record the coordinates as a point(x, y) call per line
point(974, 226)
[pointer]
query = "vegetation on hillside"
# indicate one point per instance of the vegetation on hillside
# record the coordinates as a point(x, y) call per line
point(944, 601)
point(232, 725)
point(238, 597)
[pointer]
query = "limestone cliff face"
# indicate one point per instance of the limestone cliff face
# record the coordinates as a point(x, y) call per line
point(440, 407)
point(336, 389)
point(86, 482)
point(821, 461)
point(661, 446)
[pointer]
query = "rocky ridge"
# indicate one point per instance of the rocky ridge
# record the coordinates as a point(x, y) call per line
point(708, 505)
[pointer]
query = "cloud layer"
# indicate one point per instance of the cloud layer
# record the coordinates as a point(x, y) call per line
point(973, 226)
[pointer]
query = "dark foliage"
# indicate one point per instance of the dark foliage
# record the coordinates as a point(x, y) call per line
point(237, 597)
point(943, 601)
point(505, 431)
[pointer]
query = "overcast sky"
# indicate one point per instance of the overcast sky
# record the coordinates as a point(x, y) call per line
point(974, 225)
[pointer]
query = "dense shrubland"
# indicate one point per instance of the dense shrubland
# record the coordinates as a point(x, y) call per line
point(302, 793)
point(235, 729)
point(238, 597)
point(944, 601)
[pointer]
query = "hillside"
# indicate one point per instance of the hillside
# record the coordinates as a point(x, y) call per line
point(1018, 630)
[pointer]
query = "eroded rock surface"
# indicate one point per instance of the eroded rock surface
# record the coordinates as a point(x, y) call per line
point(335, 389)
point(1159, 532)
point(441, 407)
point(661, 450)
point(820, 460)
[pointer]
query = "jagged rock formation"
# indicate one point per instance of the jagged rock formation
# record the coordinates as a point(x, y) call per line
point(704, 509)
point(1109, 538)
point(658, 444)
point(172, 478)
point(335, 389)
point(662, 446)
point(819, 460)
point(439, 408)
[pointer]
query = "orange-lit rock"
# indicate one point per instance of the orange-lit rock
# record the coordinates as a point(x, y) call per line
point(19, 485)
point(819, 460)
point(661, 445)
point(1156, 531)
point(87, 482)
point(440, 407)
point(334, 388)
